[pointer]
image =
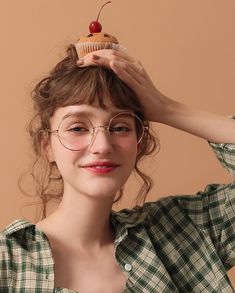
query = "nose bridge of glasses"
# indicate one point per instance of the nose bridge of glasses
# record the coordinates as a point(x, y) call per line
point(106, 137)
point(104, 127)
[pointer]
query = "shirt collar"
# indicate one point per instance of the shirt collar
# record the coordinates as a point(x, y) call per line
point(128, 217)
point(121, 220)
point(16, 226)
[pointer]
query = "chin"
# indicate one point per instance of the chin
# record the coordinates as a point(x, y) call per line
point(102, 192)
point(101, 188)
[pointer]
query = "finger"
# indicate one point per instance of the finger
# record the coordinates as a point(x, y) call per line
point(127, 68)
point(112, 54)
point(126, 63)
point(126, 74)
point(103, 57)
point(135, 70)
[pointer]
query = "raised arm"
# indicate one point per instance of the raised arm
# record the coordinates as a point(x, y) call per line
point(158, 107)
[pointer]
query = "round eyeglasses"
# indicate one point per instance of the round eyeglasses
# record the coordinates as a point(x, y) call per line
point(76, 132)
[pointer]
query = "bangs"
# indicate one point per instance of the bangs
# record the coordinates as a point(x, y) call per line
point(94, 86)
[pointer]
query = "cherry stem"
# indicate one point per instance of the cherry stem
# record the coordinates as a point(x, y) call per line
point(102, 8)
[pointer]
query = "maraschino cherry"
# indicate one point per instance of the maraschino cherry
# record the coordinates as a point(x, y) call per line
point(95, 26)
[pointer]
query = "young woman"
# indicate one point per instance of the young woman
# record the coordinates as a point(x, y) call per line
point(90, 130)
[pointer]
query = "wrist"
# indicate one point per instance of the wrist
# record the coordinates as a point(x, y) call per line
point(168, 108)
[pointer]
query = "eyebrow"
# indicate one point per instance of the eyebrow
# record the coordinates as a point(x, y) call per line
point(90, 114)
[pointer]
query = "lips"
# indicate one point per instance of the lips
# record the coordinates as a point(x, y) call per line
point(101, 164)
point(101, 167)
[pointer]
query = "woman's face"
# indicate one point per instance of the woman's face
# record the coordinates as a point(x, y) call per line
point(101, 163)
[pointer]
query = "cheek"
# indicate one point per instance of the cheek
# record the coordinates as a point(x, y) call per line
point(130, 152)
point(63, 157)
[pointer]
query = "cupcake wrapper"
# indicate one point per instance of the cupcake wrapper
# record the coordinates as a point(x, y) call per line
point(84, 48)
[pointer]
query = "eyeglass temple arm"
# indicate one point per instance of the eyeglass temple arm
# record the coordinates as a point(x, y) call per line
point(52, 131)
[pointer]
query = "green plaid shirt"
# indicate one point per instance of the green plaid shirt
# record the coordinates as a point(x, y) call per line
point(176, 244)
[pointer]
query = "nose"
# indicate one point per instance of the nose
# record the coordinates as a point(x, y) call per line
point(101, 141)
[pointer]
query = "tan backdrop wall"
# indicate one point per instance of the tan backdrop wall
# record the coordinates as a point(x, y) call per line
point(186, 46)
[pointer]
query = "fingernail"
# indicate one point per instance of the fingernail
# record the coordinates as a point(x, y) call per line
point(80, 62)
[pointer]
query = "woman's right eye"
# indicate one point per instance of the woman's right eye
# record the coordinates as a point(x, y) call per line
point(78, 128)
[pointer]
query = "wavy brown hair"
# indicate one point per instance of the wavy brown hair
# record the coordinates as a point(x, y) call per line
point(68, 84)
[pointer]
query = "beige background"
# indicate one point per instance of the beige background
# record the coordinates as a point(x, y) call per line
point(186, 46)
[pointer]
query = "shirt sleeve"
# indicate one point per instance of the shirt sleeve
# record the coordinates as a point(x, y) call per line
point(225, 152)
point(213, 210)
point(5, 269)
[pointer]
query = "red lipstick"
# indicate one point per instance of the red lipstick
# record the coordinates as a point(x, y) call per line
point(101, 167)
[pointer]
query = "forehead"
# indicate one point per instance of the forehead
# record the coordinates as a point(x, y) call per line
point(89, 110)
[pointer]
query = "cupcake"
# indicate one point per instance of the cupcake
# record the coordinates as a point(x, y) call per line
point(96, 40)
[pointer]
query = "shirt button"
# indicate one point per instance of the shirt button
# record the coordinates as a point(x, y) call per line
point(127, 267)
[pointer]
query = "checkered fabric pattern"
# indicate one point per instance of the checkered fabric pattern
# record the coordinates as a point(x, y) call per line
point(182, 243)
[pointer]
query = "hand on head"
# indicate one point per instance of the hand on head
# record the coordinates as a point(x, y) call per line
point(132, 73)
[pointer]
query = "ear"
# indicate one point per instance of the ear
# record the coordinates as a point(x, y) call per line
point(47, 149)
